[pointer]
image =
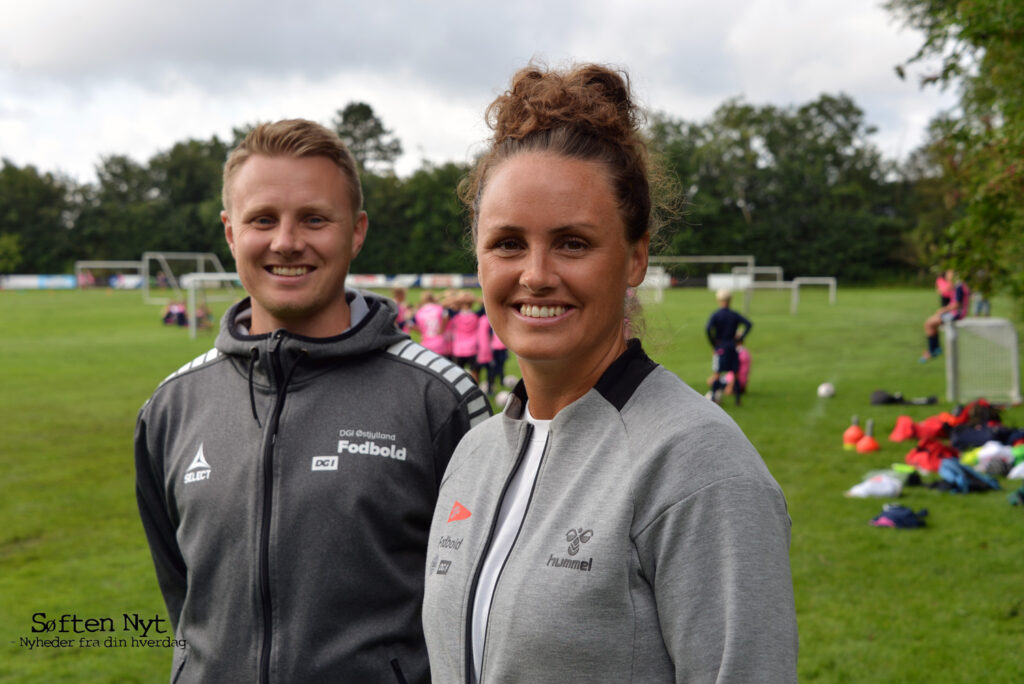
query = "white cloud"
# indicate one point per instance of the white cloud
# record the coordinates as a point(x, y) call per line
point(80, 80)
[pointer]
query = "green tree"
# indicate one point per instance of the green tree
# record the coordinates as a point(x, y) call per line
point(437, 242)
point(373, 145)
point(38, 209)
point(802, 187)
point(119, 213)
point(10, 252)
point(386, 249)
point(980, 48)
point(187, 179)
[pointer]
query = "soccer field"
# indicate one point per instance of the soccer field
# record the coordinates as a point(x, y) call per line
point(940, 604)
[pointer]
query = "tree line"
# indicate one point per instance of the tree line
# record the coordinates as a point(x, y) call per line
point(801, 187)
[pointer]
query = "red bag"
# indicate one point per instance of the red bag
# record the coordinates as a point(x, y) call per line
point(928, 455)
point(933, 427)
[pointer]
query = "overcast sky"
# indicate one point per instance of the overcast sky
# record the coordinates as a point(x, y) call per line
point(81, 80)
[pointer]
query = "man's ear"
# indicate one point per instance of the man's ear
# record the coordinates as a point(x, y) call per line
point(229, 233)
point(362, 222)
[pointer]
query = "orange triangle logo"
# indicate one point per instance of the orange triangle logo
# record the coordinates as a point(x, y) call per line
point(459, 512)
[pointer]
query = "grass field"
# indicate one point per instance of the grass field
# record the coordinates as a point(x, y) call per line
point(940, 604)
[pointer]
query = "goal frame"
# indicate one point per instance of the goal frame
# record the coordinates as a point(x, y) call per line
point(201, 260)
point(955, 390)
point(191, 281)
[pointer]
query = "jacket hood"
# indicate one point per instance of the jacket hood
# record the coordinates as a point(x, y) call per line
point(376, 330)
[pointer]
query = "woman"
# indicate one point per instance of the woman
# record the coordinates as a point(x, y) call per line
point(611, 524)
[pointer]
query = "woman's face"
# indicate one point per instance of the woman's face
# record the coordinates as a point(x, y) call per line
point(554, 262)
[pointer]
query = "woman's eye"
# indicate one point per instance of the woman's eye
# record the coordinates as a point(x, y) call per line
point(574, 245)
point(507, 245)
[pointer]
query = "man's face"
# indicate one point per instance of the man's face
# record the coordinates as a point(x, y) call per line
point(293, 232)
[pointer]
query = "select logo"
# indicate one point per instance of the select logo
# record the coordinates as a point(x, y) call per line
point(200, 469)
point(325, 463)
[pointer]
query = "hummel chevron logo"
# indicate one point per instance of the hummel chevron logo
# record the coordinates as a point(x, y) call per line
point(459, 512)
point(200, 469)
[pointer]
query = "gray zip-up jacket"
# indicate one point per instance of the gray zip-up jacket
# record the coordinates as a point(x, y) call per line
point(655, 546)
point(285, 486)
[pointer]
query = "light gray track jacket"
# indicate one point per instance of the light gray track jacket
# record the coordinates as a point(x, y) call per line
point(285, 486)
point(655, 547)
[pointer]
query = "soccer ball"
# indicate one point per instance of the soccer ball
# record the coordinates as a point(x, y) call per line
point(826, 390)
point(509, 380)
point(500, 399)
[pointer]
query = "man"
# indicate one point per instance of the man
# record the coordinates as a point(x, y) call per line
point(286, 479)
point(723, 331)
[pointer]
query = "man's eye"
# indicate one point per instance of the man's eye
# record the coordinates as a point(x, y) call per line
point(263, 221)
point(316, 220)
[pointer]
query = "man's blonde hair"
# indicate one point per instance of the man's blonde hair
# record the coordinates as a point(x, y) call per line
point(295, 138)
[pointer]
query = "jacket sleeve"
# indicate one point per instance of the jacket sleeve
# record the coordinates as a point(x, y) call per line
point(748, 326)
point(472, 409)
point(718, 562)
point(150, 494)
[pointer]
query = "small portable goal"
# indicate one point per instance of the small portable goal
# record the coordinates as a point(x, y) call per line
point(982, 360)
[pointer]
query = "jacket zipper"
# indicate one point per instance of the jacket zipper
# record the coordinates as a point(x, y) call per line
point(527, 437)
point(268, 494)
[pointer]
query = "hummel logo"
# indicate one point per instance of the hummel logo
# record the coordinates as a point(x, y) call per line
point(577, 537)
point(200, 469)
point(458, 512)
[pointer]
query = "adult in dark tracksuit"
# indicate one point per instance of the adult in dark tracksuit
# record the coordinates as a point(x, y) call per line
point(286, 478)
point(723, 331)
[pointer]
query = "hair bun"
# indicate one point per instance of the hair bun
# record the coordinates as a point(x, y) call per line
point(586, 97)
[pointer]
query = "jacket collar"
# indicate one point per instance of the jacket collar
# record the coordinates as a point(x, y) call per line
point(616, 385)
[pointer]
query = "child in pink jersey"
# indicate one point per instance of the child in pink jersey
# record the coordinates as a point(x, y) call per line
point(484, 351)
point(430, 321)
point(463, 328)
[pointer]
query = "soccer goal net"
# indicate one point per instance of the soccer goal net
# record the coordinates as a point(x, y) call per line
point(162, 274)
point(705, 271)
point(196, 310)
point(982, 360)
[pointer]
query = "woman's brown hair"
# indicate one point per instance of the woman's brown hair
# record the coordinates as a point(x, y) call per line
point(586, 112)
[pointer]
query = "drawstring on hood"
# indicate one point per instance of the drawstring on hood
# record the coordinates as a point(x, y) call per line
point(254, 355)
point(375, 330)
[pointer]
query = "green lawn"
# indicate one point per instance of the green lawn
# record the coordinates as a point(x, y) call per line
point(941, 604)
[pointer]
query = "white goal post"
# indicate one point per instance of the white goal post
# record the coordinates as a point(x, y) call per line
point(982, 360)
point(747, 260)
point(200, 262)
point(191, 282)
point(828, 281)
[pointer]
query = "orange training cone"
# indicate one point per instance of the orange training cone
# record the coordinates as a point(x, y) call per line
point(867, 442)
point(852, 435)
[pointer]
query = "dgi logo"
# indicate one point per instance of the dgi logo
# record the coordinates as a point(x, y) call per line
point(325, 463)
